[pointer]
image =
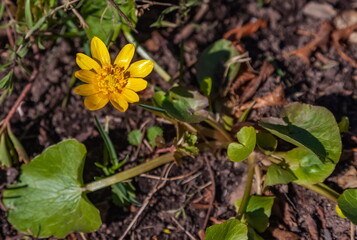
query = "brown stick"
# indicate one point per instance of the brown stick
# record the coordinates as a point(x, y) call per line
point(201, 232)
point(19, 100)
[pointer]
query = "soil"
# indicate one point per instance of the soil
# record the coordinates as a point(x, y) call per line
point(297, 214)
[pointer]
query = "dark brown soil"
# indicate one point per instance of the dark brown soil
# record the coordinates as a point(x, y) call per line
point(298, 213)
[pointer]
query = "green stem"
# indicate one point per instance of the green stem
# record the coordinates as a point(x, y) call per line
point(324, 190)
point(108, 143)
point(133, 172)
point(143, 53)
point(219, 128)
point(248, 187)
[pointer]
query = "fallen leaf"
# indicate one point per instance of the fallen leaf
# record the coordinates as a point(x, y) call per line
point(342, 35)
point(348, 179)
point(266, 70)
point(277, 97)
point(321, 39)
point(243, 31)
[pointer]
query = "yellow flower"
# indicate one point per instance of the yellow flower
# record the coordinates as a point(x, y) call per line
point(117, 82)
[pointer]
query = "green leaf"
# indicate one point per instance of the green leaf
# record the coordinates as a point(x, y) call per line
point(124, 194)
point(231, 230)
point(159, 98)
point(348, 204)
point(258, 211)
point(134, 137)
point(306, 166)
point(206, 86)
point(153, 133)
point(28, 14)
point(267, 142)
point(185, 105)
point(310, 127)
point(104, 20)
point(344, 124)
point(278, 175)
point(211, 64)
point(237, 152)
point(49, 199)
point(6, 82)
point(5, 157)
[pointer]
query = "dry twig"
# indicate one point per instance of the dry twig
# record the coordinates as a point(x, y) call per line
point(157, 187)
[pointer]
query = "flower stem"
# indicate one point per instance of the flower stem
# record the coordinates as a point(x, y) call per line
point(324, 190)
point(143, 53)
point(248, 187)
point(219, 128)
point(119, 177)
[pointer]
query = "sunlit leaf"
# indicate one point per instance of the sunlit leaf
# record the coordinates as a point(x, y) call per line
point(237, 152)
point(278, 175)
point(310, 127)
point(258, 211)
point(231, 230)
point(348, 204)
point(153, 134)
point(49, 199)
point(306, 166)
point(134, 137)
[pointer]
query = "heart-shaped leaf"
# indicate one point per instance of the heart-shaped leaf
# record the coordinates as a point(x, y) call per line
point(310, 127)
point(237, 152)
point(49, 198)
point(231, 230)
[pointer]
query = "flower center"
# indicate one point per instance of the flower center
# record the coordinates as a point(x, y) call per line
point(111, 80)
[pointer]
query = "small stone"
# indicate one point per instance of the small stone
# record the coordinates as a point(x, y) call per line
point(319, 10)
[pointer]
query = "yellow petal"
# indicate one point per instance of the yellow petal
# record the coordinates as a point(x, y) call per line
point(86, 63)
point(96, 101)
point(86, 89)
point(125, 56)
point(130, 95)
point(99, 51)
point(86, 76)
point(119, 103)
point(136, 84)
point(140, 69)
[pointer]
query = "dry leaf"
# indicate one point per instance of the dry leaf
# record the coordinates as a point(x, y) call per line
point(321, 39)
point(277, 97)
point(246, 30)
point(343, 34)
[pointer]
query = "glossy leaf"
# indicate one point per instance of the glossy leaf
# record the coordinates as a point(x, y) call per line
point(230, 230)
point(306, 166)
point(347, 202)
point(278, 175)
point(49, 198)
point(310, 127)
point(237, 152)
